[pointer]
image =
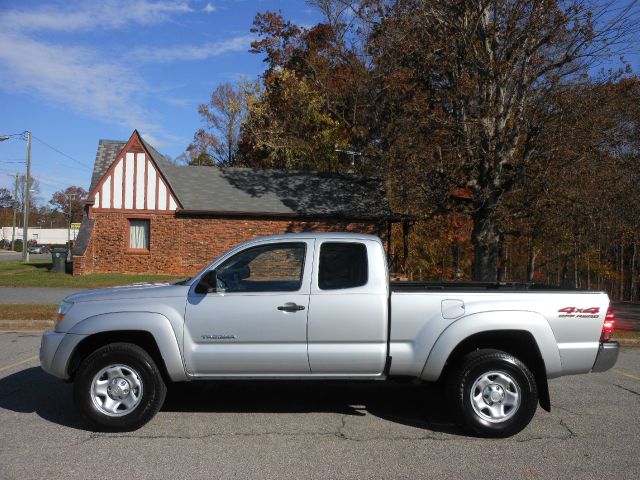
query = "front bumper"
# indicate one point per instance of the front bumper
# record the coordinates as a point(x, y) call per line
point(607, 356)
point(56, 350)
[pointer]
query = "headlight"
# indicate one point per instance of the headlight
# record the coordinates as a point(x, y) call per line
point(63, 308)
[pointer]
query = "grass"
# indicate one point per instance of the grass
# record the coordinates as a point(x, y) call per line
point(9, 266)
point(19, 311)
point(37, 274)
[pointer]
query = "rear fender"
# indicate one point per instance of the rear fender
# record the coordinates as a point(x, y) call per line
point(458, 331)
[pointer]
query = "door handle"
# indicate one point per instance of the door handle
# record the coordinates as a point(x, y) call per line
point(290, 307)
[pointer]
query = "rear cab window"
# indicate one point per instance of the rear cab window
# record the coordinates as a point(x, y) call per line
point(342, 265)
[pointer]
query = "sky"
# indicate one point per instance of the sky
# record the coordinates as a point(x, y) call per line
point(76, 71)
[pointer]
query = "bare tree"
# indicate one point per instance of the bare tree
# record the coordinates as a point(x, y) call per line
point(34, 187)
point(489, 67)
point(223, 115)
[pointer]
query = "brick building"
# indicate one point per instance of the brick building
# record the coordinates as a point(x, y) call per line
point(146, 215)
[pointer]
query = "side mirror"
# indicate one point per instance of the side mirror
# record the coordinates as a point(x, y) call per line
point(208, 283)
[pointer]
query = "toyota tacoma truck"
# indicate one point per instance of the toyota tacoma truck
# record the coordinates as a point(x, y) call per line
point(321, 306)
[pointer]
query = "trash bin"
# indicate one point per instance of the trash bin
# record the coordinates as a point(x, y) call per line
point(59, 259)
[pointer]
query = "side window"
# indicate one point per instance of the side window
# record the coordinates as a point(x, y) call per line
point(342, 265)
point(267, 268)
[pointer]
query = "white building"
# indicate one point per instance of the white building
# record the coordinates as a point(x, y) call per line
point(48, 236)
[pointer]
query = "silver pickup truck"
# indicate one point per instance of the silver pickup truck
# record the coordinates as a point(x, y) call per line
point(321, 306)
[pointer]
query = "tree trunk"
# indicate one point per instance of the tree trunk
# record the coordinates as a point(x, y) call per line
point(486, 245)
point(598, 277)
point(632, 290)
point(503, 254)
point(456, 256)
point(405, 242)
point(565, 271)
point(622, 272)
point(588, 271)
point(576, 282)
point(531, 264)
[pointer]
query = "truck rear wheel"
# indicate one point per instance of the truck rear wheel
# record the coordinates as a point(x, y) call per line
point(494, 393)
point(119, 387)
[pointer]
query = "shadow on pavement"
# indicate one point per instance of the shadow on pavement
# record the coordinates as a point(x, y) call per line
point(419, 406)
point(32, 390)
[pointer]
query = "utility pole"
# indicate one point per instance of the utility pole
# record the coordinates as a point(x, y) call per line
point(69, 197)
point(15, 210)
point(25, 220)
point(25, 227)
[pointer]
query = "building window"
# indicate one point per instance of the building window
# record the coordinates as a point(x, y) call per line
point(139, 234)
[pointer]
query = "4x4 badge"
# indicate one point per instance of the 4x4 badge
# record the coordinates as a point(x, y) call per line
point(591, 312)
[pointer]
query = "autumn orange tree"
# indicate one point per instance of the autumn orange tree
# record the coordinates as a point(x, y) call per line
point(314, 99)
point(509, 157)
point(69, 202)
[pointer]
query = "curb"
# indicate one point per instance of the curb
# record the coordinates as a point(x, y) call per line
point(628, 342)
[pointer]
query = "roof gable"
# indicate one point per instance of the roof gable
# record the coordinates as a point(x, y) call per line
point(134, 180)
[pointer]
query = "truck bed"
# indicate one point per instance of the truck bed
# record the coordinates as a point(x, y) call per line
point(405, 286)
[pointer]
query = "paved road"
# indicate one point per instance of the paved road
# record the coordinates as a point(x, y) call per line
point(36, 295)
point(325, 431)
point(7, 256)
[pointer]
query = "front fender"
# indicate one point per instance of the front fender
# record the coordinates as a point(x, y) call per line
point(464, 327)
point(156, 324)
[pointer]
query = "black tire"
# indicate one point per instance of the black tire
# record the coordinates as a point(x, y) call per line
point(148, 384)
point(511, 376)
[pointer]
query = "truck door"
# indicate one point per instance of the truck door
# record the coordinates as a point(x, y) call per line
point(254, 322)
point(348, 309)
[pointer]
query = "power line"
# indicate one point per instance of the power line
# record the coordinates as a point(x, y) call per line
point(22, 135)
point(38, 178)
point(61, 153)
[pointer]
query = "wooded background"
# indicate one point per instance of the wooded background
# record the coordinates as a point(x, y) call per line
point(507, 131)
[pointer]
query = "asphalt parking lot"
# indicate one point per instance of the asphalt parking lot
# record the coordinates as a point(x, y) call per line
point(314, 430)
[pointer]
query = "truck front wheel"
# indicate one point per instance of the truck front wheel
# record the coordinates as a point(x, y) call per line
point(119, 387)
point(494, 393)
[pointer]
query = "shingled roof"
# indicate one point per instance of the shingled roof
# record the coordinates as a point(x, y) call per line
point(244, 190)
point(108, 150)
point(237, 191)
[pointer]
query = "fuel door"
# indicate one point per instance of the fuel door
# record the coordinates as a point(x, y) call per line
point(452, 308)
